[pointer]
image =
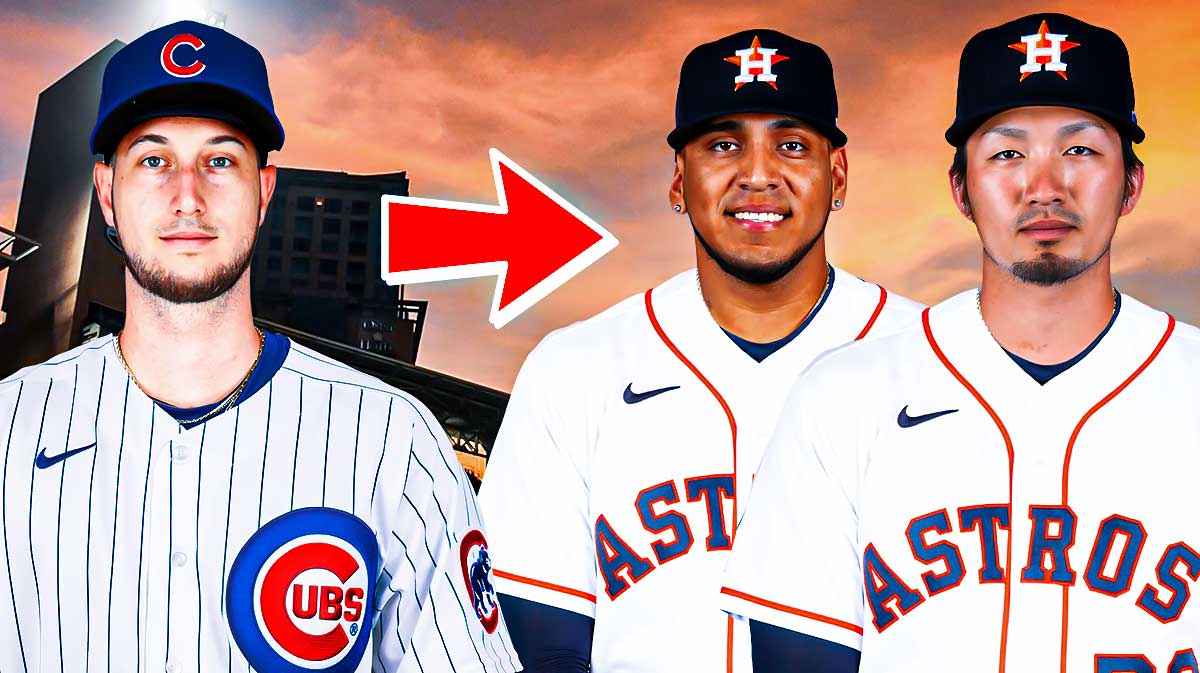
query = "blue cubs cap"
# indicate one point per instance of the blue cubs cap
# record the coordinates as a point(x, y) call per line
point(1044, 59)
point(187, 69)
point(756, 71)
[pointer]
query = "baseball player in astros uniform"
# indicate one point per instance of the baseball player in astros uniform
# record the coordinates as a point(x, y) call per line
point(196, 495)
point(631, 439)
point(1008, 485)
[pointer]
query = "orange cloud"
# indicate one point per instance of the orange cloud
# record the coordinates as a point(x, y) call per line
point(36, 52)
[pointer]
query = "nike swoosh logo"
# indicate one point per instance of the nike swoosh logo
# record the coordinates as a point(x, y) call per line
point(633, 398)
point(42, 461)
point(906, 421)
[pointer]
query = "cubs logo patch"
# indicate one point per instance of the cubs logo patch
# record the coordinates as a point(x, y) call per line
point(174, 67)
point(1043, 49)
point(477, 574)
point(755, 62)
point(300, 595)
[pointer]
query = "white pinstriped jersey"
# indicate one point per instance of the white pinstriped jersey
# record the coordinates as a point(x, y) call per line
point(624, 458)
point(926, 502)
point(322, 524)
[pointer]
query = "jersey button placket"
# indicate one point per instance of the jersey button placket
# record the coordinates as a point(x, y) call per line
point(156, 564)
point(184, 605)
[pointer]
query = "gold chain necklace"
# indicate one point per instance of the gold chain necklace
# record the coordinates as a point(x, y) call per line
point(224, 404)
point(824, 293)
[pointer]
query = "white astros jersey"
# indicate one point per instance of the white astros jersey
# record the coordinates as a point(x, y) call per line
point(624, 458)
point(925, 501)
point(323, 524)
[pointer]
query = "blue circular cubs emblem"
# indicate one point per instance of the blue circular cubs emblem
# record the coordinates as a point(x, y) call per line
point(477, 573)
point(300, 595)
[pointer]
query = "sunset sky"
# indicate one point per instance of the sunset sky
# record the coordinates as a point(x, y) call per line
point(581, 94)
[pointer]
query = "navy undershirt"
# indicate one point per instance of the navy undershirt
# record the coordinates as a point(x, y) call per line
point(274, 352)
point(776, 650)
point(761, 351)
point(1043, 373)
point(548, 639)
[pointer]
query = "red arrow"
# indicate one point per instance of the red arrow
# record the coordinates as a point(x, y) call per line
point(534, 240)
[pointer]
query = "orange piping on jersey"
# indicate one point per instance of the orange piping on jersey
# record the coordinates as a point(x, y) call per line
point(791, 610)
point(1009, 446)
point(729, 644)
point(544, 585)
point(1071, 448)
point(733, 437)
point(711, 388)
point(874, 316)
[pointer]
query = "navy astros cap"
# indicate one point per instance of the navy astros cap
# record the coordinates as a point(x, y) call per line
point(756, 71)
point(1044, 59)
point(187, 69)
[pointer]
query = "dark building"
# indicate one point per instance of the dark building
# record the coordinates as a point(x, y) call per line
point(317, 262)
point(58, 211)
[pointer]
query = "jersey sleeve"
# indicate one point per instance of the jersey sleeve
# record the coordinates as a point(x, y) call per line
point(439, 609)
point(534, 493)
point(795, 562)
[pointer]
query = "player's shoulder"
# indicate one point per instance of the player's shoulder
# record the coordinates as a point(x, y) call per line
point(1184, 339)
point(1184, 334)
point(888, 348)
point(888, 310)
point(902, 308)
point(61, 367)
point(619, 326)
point(1188, 336)
point(315, 367)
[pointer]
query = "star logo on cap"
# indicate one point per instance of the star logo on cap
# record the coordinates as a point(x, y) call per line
point(755, 63)
point(1043, 50)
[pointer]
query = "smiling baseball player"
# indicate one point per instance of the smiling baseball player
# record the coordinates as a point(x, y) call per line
point(196, 494)
point(631, 439)
point(1007, 486)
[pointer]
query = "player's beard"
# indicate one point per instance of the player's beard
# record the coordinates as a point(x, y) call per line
point(171, 288)
point(1048, 268)
point(763, 273)
point(161, 283)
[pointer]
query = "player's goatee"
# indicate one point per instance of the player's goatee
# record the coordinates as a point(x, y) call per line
point(161, 283)
point(764, 273)
point(1049, 269)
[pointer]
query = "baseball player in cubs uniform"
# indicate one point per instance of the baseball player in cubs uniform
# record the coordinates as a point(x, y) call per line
point(196, 495)
point(631, 439)
point(1008, 485)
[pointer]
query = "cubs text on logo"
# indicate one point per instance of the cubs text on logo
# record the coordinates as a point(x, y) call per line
point(755, 63)
point(173, 66)
point(1043, 49)
point(477, 574)
point(301, 592)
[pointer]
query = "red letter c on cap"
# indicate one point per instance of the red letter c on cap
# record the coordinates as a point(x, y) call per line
point(167, 58)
